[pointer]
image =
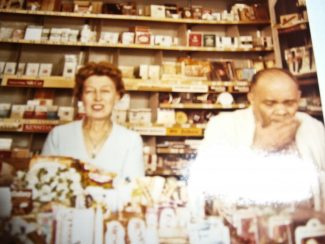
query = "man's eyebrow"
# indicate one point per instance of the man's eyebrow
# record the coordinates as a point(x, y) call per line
point(275, 101)
point(268, 100)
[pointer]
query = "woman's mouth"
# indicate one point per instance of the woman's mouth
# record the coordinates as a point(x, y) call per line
point(97, 107)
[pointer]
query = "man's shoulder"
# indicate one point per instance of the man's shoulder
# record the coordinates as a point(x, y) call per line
point(307, 120)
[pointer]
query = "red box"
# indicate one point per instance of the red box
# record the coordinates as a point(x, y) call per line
point(195, 40)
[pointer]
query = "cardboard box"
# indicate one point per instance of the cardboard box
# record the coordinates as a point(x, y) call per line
point(29, 112)
point(6, 32)
point(67, 6)
point(55, 34)
point(154, 72)
point(109, 37)
point(45, 69)
point(4, 110)
point(197, 12)
point(41, 112)
point(2, 66)
point(84, 7)
point(45, 34)
point(124, 103)
point(33, 33)
point(140, 115)
point(246, 42)
point(70, 65)
point(17, 111)
point(157, 11)
point(163, 40)
point(73, 35)
point(289, 19)
point(142, 38)
point(195, 39)
point(52, 112)
point(10, 68)
point(209, 40)
point(66, 113)
point(20, 153)
point(166, 116)
point(32, 69)
point(76, 225)
point(143, 71)
point(127, 71)
point(119, 116)
point(65, 32)
point(97, 7)
point(127, 38)
point(139, 28)
point(5, 143)
point(50, 5)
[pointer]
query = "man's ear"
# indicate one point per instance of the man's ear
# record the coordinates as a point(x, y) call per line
point(299, 94)
point(250, 97)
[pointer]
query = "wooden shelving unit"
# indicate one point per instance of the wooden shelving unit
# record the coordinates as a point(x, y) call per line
point(130, 17)
point(37, 82)
point(136, 46)
point(296, 36)
point(202, 106)
point(144, 93)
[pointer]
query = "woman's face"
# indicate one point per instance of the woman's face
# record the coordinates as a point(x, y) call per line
point(99, 96)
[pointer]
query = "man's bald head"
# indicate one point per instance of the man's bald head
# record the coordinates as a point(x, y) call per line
point(274, 95)
point(271, 74)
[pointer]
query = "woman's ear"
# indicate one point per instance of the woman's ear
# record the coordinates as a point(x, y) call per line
point(117, 98)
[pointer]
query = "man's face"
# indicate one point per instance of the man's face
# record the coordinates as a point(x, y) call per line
point(274, 98)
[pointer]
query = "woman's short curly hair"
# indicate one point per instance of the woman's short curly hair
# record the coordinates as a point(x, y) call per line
point(102, 68)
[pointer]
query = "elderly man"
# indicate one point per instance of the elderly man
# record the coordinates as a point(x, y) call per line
point(272, 123)
point(266, 152)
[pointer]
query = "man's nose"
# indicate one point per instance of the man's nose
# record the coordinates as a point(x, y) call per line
point(280, 109)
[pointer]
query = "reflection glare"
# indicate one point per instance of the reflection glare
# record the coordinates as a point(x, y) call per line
point(247, 177)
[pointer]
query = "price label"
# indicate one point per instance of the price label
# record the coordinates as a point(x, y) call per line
point(9, 125)
point(150, 131)
point(242, 88)
point(190, 88)
point(37, 127)
point(184, 131)
point(208, 106)
point(218, 88)
point(24, 83)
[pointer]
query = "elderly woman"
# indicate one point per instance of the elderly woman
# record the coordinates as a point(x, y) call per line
point(95, 138)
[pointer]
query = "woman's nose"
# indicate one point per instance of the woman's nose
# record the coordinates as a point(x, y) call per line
point(98, 96)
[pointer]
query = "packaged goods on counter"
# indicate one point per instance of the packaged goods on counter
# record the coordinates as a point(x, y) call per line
point(57, 197)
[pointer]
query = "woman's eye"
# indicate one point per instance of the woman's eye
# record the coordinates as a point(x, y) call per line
point(89, 91)
point(106, 91)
